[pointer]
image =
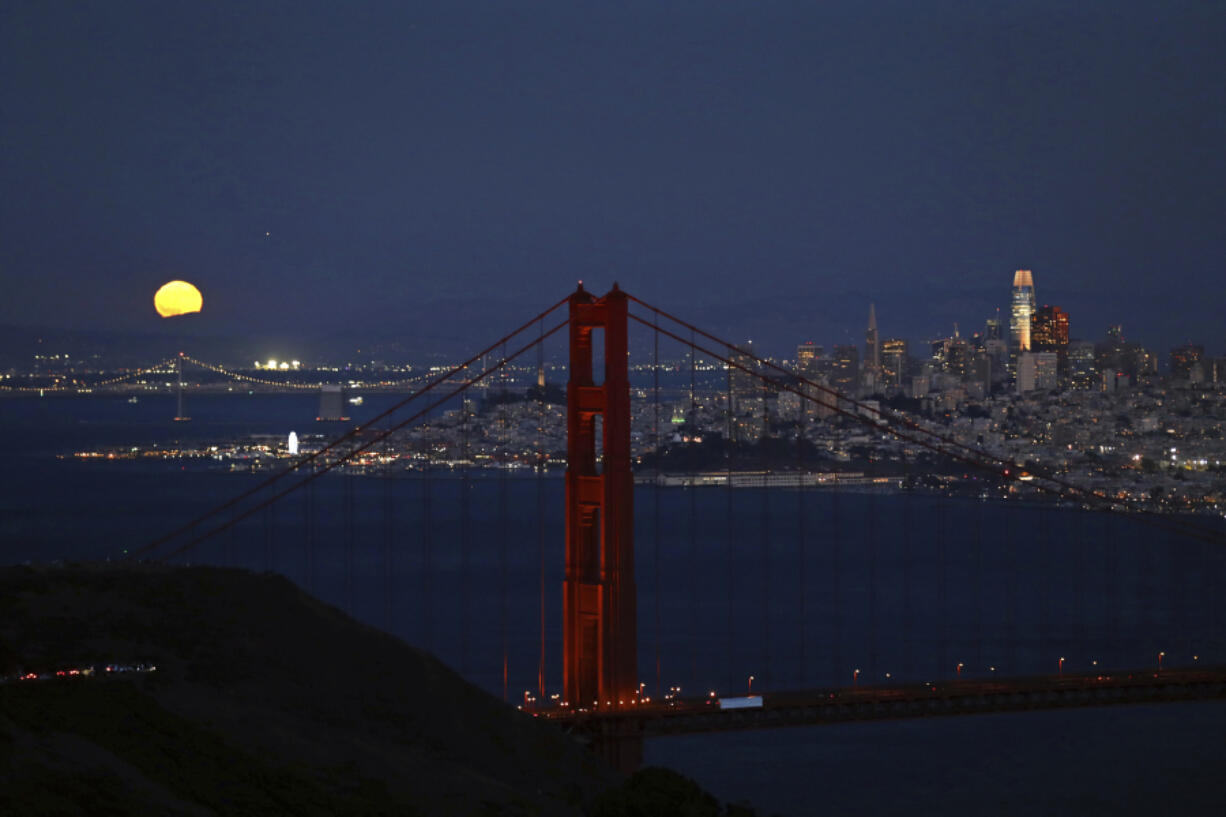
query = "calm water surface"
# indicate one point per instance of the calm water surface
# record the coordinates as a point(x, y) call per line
point(797, 588)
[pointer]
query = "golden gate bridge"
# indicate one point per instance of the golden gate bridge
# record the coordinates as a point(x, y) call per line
point(601, 694)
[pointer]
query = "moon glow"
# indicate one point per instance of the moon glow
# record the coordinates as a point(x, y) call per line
point(177, 298)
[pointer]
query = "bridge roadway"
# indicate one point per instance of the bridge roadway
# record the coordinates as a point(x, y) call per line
point(880, 702)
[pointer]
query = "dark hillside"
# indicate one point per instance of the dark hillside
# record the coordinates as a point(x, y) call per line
point(264, 701)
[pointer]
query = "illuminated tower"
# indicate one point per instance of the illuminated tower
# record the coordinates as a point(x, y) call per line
point(1022, 310)
point(872, 345)
point(598, 620)
point(845, 371)
point(1049, 329)
point(1049, 333)
point(894, 360)
point(806, 354)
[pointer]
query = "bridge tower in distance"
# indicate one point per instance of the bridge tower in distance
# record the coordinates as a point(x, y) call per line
point(598, 622)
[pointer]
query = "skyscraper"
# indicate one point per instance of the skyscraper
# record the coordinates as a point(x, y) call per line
point(893, 361)
point(1036, 370)
point(1049, 333)
point(1022, 306)
point(1049, 329)
point(1083, 368)
point(806, 354)
point(1184, 358)
point(845, 372)
point(872, 346)
point(992, 328)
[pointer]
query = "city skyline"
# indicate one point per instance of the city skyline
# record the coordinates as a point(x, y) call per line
point(1054, 317)
point(430, 171)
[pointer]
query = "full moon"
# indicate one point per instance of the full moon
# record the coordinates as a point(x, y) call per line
point(177, 298)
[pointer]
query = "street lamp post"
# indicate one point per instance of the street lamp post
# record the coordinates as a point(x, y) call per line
point(749, 688)
point(1062, 666)
point(1161, 655)
point(855, 678)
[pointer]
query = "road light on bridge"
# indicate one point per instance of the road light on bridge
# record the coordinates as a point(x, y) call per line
point(749, 687)
point(1161, 655)
point(855, 678)
point(1061, 666)
point(958, 671)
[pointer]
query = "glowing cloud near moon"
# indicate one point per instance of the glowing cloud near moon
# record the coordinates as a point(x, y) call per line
point(177, 298)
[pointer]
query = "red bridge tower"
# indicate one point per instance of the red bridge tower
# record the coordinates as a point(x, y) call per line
point(598, 621)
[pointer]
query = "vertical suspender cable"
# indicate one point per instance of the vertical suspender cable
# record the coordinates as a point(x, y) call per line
point(504, 522)
point(729, 449)
point(465, 536)
point(1111, 615)
point(1083, 636)
point(388, 524)
point(942, 588)
point(655, 493)
point(836, 569)
point(692, 575)
point(347, 500)
point(692, 568)
point(800, 535)
point(764, 445)
point(427, 539)
point(540, 502)
point(870, 535)
point(978, 584)
point(1043, 592)
point(308, 513)
point(268, 556)
point(1011, 571)
point(908, 619)
point(1177, 595)
point(232, 544)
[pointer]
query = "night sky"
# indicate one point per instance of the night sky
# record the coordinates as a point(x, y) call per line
point(442, 170)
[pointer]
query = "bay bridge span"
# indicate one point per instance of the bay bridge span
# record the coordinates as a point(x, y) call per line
point(603, 656)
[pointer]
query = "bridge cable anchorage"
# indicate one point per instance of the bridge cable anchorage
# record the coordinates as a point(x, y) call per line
point(353, 452)
point(354, 433)
point(903, 428)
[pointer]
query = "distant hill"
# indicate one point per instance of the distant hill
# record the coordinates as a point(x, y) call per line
point(265, 701)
